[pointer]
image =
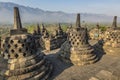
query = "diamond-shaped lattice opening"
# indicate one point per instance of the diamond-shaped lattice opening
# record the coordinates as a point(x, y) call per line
point(118, 37)
point(16, 55)
point(8, 46)
point(79, 34)
point(24, 54)
point(78, 37)
point(20, 50)
point(73, 43)
point(73, 37)
point(3, 55)
point(23, 45)
point(3, 45)
point(80, 40)
point(68, 34)
point(69, 42)
point(71, 34)
point(76, 34)
point(77, 43)
point(27, 49)
point(8, 55)
point(6, 51)
point(12, 51)
point(75, 40)
point(19, 41)
point(6, 41)
point(11, 41)
point(16, 45)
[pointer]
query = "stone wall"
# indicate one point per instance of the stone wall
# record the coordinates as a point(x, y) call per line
point(54, 43)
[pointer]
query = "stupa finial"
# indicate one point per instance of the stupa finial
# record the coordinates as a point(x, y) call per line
point(17, 20)
point(78, 20)
point(114, 25)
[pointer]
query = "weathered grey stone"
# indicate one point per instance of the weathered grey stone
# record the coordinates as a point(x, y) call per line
point(25, 61)
point(77, 49)
point(112, 38)
point(53, 42)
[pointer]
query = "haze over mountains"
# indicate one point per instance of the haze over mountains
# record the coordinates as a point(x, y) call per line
point(34, 15)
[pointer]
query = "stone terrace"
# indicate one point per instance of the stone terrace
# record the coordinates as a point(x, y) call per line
point(108, 68)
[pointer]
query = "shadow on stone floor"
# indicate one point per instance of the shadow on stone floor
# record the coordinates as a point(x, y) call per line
point(58, 65)
point(3, 66)
point(99, 49)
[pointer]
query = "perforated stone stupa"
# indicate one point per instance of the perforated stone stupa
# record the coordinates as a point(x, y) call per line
point(112, 38)
point(44, 32)
point(96, 33)
point(77, 49)
point(25, 60)
point(37, 31)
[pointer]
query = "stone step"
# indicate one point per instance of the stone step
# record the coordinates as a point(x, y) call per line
point(48, 73)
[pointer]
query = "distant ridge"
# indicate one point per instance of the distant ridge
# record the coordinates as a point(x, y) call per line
point(34, 15)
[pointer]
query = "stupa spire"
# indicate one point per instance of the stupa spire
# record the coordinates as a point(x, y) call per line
point(17, 24)
point(78, 24)
point(114, 25)
point(59, 25)
point(17, 20)
point(38, 29)
point(43, 27)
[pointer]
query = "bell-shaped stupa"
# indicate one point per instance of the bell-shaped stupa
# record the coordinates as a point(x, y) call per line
point(77, 49)
point(24, 60)
point(112, 38)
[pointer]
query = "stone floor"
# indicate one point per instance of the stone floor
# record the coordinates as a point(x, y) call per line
point(107, 68)
point(63, 71)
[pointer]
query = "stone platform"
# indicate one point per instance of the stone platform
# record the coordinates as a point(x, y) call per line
point(108, 68)
point(108, 63)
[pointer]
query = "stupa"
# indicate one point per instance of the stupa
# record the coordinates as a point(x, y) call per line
point(44, 32)
point(112, 38)
point(96, 33)
point(37, 31)
point(24, 60)
point(76, 49)
point(60, 31)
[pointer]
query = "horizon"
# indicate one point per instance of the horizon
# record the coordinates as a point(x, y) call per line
point(107, 7)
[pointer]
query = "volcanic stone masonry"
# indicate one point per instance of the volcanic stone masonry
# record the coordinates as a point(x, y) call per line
point(76, 49)
point(25, 60)
point(57, 40)
point(94, 35)
point(49, 42)
point(38, 39)
point(44, 32)
point(112, 38)
point(38, 30)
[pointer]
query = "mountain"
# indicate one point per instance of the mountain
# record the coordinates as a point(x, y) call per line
point(34, 15)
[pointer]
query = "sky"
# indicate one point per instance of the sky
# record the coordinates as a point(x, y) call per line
point(108, 7)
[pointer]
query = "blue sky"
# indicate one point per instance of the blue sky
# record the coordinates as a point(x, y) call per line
point(109, 7)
